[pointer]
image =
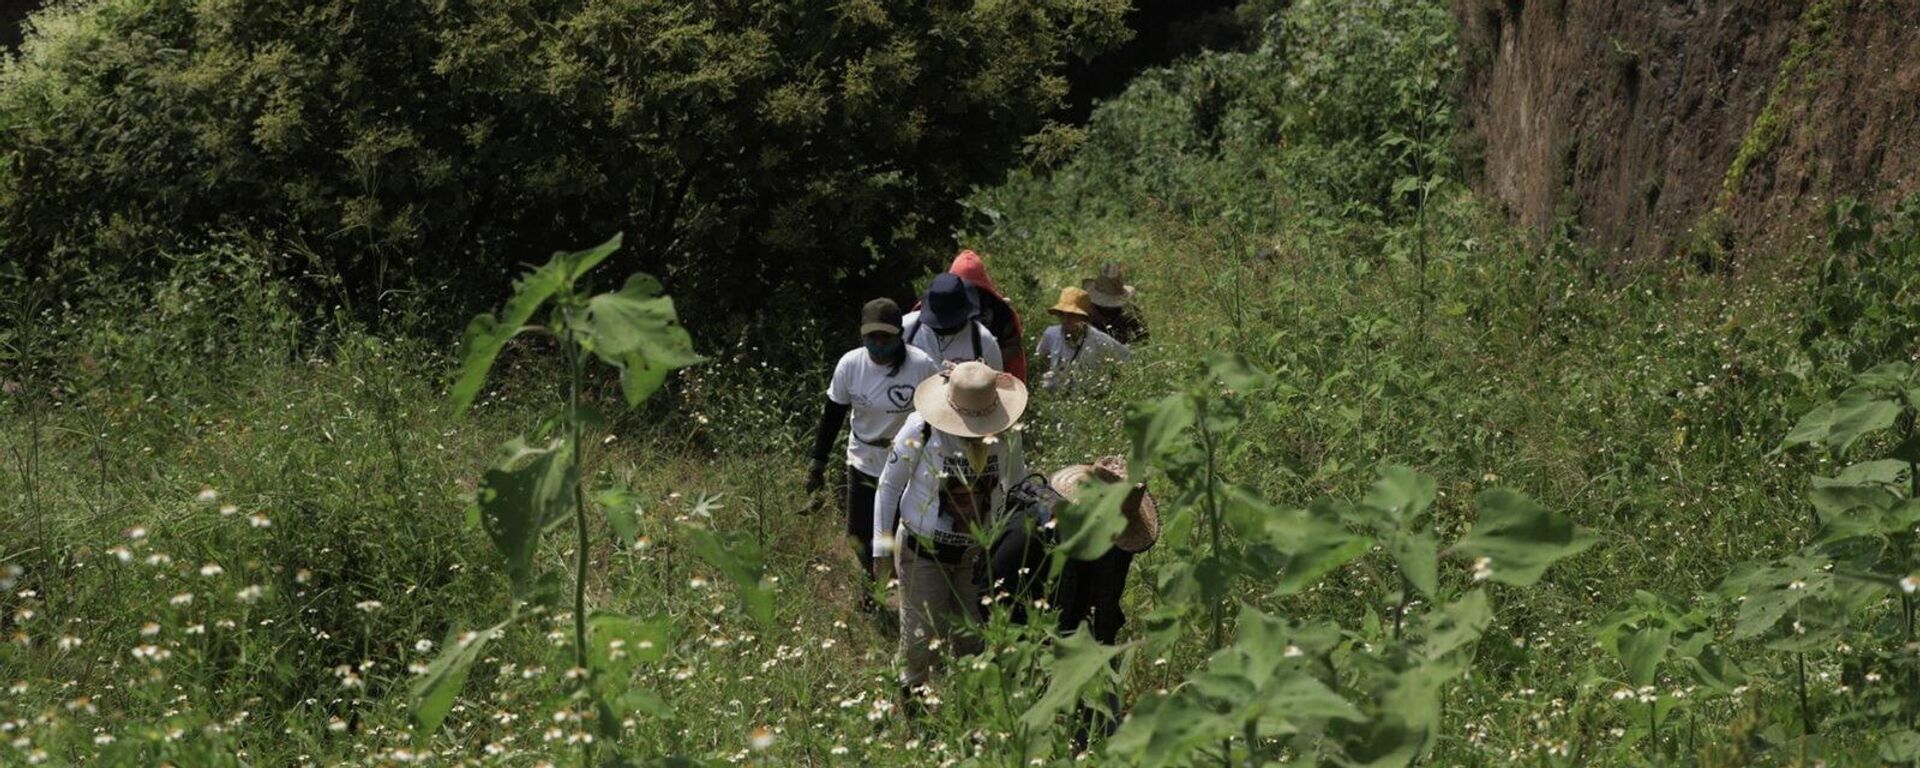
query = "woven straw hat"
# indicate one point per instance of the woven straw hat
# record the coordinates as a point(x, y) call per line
point(1110, 289)
point(1143, 516)
point(1073, 301)
point(971, 400)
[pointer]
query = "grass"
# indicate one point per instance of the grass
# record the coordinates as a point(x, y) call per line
point(1648, 407)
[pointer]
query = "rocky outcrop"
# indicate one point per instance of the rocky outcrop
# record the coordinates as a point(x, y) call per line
point(1683, 128)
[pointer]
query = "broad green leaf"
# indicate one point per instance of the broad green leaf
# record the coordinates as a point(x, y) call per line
point(1714, 670)
point(1314, 546)
point(1866, 473)
point(1520, 538)
point(1156, 427)
point(576, 264)
point(1405, 719)
point(739, 559)
point(616, 642)
point(1838, 423)
point(1078, 660)
point(1770, 592)
point(1296, 697)
point(1458, 625)
point(1088, 523)
point(1419, 557)
point(486, 335)
point(1270, 640)
point(1887, 377)
point(1641, 653)
point(622, 507)
point(1403, 494)
point(1166, 730)
point(528, 492)
point(1879, 518)
point(1233, 370)
point(1900, 747)
point(637, 331)
point(432, 694)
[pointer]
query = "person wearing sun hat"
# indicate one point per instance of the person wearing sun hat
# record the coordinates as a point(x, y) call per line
point(872, 392)
point(945, 484)
point(1073, 353)
point(1113, 310)
point(947, 325)
point(1089, 591)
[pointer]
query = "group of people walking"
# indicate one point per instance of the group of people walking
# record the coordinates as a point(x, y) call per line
point(938, 489)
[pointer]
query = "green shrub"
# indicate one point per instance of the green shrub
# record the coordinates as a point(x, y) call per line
point(749, 148)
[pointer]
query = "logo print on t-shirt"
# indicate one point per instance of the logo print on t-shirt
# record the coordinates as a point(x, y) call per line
point(901, 395)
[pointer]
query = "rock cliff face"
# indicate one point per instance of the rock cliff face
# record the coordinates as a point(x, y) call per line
point(1715, 130)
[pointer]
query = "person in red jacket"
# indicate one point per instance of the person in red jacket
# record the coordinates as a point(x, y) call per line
point(996, 313)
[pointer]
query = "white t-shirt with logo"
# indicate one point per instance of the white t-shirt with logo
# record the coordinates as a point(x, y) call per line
point(957, 348)
point(1071, 365)
point(881, 401)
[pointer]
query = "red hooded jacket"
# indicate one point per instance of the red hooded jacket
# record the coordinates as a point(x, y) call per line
point(973, 271)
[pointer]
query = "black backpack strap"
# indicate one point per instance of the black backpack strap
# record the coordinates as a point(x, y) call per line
point(973, 327)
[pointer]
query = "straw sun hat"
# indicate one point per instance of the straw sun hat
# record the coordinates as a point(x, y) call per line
point(1143, 516)
point(1110, 289)
point(1073, 301)
point(971, 400)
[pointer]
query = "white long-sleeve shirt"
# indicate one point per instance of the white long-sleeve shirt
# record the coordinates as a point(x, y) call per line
point(909, 489)
point(1071, 366)
point(956, 347)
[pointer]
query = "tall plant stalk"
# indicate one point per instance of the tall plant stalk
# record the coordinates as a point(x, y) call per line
point(579, 524)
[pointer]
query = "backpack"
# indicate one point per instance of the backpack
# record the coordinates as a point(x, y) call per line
point(973, 328)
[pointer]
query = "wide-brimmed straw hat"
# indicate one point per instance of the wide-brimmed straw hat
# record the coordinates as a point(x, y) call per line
point(1110, 289)
point(1073, 301)
point(971, 400)
point(1143, 516)
point(949, 303)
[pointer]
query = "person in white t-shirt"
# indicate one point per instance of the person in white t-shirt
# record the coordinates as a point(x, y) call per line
point(872, 391)
point(1074, 354)
point(947, 325)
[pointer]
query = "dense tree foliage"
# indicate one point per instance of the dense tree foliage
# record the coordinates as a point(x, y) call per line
point(742, 145)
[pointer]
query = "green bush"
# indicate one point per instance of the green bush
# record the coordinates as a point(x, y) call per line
point(747, 147)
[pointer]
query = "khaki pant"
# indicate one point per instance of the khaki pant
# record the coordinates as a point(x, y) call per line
point(937, 600)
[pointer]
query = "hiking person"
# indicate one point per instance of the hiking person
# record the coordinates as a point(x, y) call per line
point(996, 313)
point(1089, 591)
point(872, 391)
point(1074, 353)
point(1113, 310)
point(947, 324)
point(945, 482)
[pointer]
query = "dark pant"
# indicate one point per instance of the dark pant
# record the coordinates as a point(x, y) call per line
point(860, 490)
point(1016, 569)
point(1091, 590)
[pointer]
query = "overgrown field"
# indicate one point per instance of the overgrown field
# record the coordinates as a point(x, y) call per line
point(1434, 490)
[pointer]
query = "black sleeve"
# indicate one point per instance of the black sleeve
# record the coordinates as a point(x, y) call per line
point(831, 417)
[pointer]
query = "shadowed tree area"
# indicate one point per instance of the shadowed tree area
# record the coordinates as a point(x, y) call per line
point(744, 146)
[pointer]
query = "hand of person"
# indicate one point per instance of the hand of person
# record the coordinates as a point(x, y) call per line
point(816, 476)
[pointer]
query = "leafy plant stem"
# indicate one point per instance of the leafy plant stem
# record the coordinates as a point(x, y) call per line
point(1653, 731)
point(1406, 596)
point(1806, 715)
point(1213, 522)
point(579, 526)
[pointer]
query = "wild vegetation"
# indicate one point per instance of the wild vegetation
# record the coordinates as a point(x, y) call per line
point(1433, 490)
